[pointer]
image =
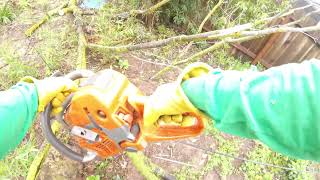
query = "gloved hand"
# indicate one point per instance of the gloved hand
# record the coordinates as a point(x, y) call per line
point(170, 100)
point(54, 89)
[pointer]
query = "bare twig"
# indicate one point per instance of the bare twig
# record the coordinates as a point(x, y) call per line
point(152, 9)
point(200, 28)
point(237, 32)
point(279, 30)
point(152, 62)
point(209, 15)
point(3, 66)
point(302, 18)
point(214, 47)
point(174, 161)
point(204, 52)
point(49, 14)
point(233, 31)
point(148, 11)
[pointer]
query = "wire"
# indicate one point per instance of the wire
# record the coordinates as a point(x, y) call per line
point(209, 151)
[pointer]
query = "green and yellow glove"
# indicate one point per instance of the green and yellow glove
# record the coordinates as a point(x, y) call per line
point(168, 102)
point(54, 89)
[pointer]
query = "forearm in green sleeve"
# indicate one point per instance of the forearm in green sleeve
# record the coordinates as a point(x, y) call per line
point(279, 107)
point(18, 107)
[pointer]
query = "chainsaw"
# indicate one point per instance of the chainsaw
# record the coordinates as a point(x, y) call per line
point(103, 121)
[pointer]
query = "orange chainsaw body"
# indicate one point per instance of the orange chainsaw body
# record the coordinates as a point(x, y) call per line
point(104, 121)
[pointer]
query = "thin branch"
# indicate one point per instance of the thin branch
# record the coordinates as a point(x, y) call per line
point(196, 37)
point(200, 28)
point(156, 63)
point(215, 47)
point(176, 39)
point(249, 35)
point(279, 30)
point(204, 52)
point(49, 14)
point(70, 7)
point(148, 11)
point(82, 48)
point(302, 18)
point(209, 15)
point(236, 32)
point(152, 9)
point(174, 161)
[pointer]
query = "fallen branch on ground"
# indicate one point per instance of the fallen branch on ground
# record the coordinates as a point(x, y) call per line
point(235, 32)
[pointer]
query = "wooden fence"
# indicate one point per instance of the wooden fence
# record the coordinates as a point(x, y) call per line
point(283, 48)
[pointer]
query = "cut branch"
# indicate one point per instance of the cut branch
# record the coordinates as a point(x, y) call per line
point(50, 14)
point(152, 9)
point(235, 32)
point(148, 11)
point(65, 8)
point(215, 47)
point(249, 35)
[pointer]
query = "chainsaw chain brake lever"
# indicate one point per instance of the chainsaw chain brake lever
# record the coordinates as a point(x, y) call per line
point(46, 120)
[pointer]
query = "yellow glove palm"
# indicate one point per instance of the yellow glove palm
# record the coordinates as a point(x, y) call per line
point(169, 99)
point(53, 89)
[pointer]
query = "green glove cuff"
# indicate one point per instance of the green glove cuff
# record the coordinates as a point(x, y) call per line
point(194, 70)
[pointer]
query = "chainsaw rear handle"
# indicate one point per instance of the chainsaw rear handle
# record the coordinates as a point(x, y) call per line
point(46, 122)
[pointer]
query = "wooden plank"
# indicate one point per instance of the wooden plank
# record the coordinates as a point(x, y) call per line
point(266, 48)
point(296, 49)
point(304, 55)
point(244, 50)
point(285, 50)
point(278, 48)
point(314, 53)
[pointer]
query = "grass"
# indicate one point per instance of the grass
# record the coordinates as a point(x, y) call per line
point(221, 163)
point(16, 68)
point(16, 164)
point(264, 154)
point(57, 48)
point(6, 14)
point(53, 50)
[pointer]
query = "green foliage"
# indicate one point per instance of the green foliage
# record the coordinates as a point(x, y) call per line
point(123, 64)
point(264, 154)
point(16, 68)
point(224, 164)
point(114, 31)
point(164, 32)
point(93, 177)
point(6, 14)
point(224, 60)
point(16, 164)
point(102, 165)
point(24, 3)
point(190, 13)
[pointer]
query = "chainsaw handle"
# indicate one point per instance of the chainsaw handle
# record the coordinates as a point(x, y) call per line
point(53, 140)
point(169, 132)
point(78, 74)
point(46, 122)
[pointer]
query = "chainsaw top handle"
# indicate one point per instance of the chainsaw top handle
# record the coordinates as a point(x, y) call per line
point(46, 120)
